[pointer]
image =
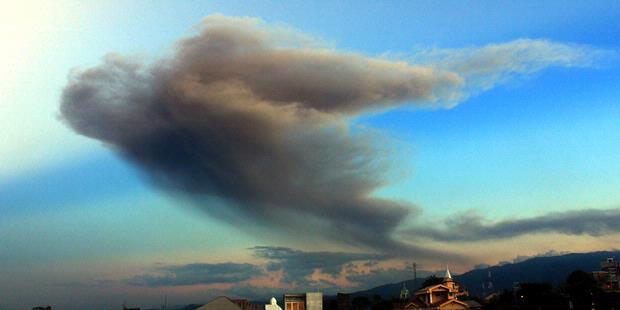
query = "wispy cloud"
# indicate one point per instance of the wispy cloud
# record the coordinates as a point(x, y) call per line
point(485, 67)
point(594, 222)
point(193, 274)
point(385, 275)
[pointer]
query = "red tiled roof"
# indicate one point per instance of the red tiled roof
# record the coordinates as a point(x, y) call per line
point(414, 303)
point(443, 302)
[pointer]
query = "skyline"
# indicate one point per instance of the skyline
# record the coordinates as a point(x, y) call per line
point(237, 148)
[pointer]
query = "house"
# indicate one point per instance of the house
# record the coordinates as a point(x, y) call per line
point(442, 296)
point(220, 303)
point(473, 305)
point(307, 301)
point(294, 301)
point(245, 304)
point(273, 305)
point(608, 277)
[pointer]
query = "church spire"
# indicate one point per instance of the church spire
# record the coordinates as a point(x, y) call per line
point(404, 292)
point(448, 275)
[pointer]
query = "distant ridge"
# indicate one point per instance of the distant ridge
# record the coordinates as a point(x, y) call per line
point(552, 269)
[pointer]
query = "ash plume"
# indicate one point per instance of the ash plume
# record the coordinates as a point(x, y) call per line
point(259, 117)
point(234, 115)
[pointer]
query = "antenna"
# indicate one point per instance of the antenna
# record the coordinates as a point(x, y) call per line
point(487, 286)
point(415, 275)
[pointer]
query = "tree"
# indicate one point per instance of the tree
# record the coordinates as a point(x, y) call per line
point(539, 296)
point(330, 304)
point(581, 287)
point(360, 303)
point(505, 300)
point(380, 304)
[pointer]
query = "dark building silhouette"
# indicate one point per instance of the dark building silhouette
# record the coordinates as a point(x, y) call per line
point(126, 308)
point(343, 301)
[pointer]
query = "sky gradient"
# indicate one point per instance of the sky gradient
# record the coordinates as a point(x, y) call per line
point(441, 133)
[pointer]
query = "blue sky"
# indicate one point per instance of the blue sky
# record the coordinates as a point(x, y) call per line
point(535, 144)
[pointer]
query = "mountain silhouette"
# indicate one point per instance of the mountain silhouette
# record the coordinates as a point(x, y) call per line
point(552, 269)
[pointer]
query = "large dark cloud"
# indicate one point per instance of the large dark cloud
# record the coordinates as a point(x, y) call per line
point(192, 274)
point(258, 118)
point(236, 116)
point(594, 222)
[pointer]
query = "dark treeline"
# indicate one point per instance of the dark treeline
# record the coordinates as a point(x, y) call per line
point(579, 291)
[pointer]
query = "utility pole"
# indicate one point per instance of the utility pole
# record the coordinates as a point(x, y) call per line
point(415, 276)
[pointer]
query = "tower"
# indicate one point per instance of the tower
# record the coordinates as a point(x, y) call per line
point(489, 283)
point(447, 275)
point(404, 292)
point(448, 281)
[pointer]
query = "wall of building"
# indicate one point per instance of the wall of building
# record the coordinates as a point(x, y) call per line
point(314, 301)
point(294, 301)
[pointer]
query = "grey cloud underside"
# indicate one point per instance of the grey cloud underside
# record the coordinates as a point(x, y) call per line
point(259, 119)
point(594, 222)
point(298, 265)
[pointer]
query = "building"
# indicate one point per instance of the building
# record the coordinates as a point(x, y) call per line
point(220, 303)
point(129, 308)
point(273, 305)
point(487, 285)
point(245, 304)
point(608, 277)
point(314, 301)
point(404, 292)
point(438, 297)
point(307, 301)
point(294, 301)
point(473, 305)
